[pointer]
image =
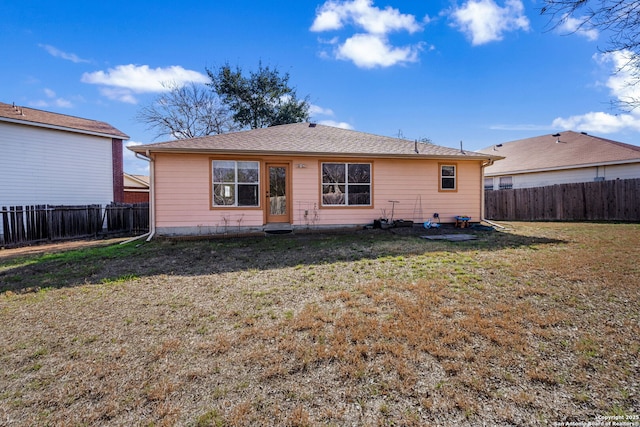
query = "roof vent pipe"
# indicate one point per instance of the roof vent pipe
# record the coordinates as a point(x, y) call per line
point(415, 147)
point(312, 125)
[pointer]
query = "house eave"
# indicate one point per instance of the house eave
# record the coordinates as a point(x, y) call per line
point(136, 179)
point(64, 128)
point(560, 168)
point(412, 156)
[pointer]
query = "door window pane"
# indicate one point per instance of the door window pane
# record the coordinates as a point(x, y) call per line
point(278, 190)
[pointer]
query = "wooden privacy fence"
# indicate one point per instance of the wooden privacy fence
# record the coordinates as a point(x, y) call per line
point(38, 223)
point(616, 200)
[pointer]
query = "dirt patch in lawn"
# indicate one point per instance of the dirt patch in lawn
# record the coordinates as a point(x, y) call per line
point(532, 326)
point(44, 248)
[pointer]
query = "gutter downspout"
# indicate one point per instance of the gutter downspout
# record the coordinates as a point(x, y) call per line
point(485, 164)
point(151, 232)
point(152, 194)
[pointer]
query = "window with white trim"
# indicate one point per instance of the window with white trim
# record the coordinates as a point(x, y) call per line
point(346, 184)
point(235, 183)
point(448, 177)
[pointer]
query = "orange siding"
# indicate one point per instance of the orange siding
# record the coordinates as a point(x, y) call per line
point(182, 192)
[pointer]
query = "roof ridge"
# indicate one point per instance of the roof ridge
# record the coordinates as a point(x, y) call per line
point(51, 112)
point(310, 139)
point(43, 118)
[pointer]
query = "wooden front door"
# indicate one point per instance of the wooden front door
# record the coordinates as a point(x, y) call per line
point(278, 199)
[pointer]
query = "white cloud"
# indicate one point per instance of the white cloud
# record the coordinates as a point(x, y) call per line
point(132, 164)
point(623, 86)
point(53, 101)
point(40, 103)
point(119, 94)
point(370, 51)
point(623, 81)
point(142, 78)
point(335, 124)
point(317, 110)
point(123, 81)
point(372, 48)
point(334, 15)
point(329, 17)
point(571, 25)
point(64, 103)
point(599, 122)
point(54, 51)
point(483, 21)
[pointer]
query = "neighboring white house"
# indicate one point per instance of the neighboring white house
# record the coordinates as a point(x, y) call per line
point(560, 158)
point(50, 158)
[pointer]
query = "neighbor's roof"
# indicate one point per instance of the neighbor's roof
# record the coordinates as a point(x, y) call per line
point(29, 116)
point(565, 150)
point(139, 180)
point(307, 139)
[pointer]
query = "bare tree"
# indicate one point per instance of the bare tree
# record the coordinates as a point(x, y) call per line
point(187, 111)
point(619, 19)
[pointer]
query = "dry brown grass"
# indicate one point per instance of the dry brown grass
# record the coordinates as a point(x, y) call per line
point(532, 326)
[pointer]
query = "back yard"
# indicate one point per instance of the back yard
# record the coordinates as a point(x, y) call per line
point(538, 324)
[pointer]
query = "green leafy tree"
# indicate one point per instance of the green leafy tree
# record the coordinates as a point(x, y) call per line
point(262, 99)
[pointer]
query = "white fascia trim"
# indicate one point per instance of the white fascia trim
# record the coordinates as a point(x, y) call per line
point(62, 128)
point(561, 168)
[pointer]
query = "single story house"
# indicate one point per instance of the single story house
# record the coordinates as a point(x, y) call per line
point(136, 188)
point(306, 176)
point(55, 159)
point(560, 158)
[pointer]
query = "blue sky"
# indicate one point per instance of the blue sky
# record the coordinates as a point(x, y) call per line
point(478, 71)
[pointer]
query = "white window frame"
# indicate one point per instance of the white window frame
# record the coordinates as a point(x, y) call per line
point(442, 177)
point(233, 186)
point(346, 184)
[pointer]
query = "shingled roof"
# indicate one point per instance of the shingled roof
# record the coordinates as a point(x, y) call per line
point(23, 115)
point(307, 139)
point(565, 150)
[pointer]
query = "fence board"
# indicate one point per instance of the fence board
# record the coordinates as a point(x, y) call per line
point(31, 224)
point(615, 200)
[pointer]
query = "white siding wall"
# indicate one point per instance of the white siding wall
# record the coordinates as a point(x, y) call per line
point(43, 166)
point(541, 179)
